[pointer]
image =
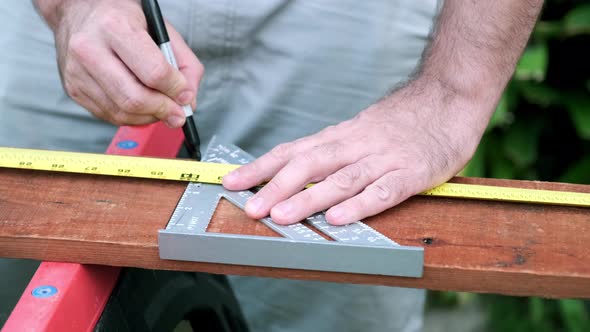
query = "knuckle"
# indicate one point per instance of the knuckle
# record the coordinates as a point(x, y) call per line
point(161, 110)
point(331, 150)
point(346, 178)
point(120, 118)
point(116, 119)
point(71, 88)
point(273, 187)
point(323, 152)
point(389, 190)
point(132, 102)
point(304, 160)
point(383, 192)
point(110, 21)
point(282, 151)
point(80, 47)
point(157, 74)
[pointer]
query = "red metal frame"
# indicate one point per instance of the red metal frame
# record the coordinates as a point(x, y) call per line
point(71, 297)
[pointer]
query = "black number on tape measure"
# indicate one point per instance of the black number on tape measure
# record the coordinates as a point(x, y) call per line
point(25, 163)
point(91, 168)
point(123, 170)
point(156, 173)
point(189, 176)
point(57, 166)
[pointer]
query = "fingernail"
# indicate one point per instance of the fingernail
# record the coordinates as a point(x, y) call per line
point(284, 210)
point(254, 205)
point(175, 121)
point(335, 215)
point(185, 97)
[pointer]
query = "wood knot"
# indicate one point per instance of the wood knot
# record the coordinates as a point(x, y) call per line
point(427, 240)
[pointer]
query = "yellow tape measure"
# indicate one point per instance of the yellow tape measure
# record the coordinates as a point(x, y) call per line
point(106, 164)
point(193, 171)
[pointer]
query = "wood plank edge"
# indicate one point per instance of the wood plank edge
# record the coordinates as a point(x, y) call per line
point(436, 277)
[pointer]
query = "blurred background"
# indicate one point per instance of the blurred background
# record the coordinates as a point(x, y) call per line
point(540, 131)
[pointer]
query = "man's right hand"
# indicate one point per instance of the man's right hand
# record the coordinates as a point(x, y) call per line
point(110, 65)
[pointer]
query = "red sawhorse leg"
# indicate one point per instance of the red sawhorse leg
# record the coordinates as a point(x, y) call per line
point(71, 297)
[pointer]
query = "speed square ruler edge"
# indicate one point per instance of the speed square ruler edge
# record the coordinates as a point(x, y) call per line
point(357, 248)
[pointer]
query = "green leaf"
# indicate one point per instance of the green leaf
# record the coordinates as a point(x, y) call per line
point(575, 317)
point(520, 143)
point(577, 20)
point(548, 29)
point(532, 65)
point(539, 94)
point(501, 168)
point(497, 166)
point(578, 107)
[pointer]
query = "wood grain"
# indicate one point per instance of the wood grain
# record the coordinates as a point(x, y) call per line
point(492, 247)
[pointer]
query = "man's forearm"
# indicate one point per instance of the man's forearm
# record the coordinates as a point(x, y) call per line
point(476, 45)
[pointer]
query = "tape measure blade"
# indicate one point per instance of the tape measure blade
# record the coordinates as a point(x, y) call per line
point(227, 158)
point(523, 195)
point(114, 165)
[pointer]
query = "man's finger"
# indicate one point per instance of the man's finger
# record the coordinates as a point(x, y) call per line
point(85, 100)
point(129, 95)
point(101, 106)
point(81, 87)
point(265, 167)
point(143, 57)
point(316, 163)
point(388, 191)
point(95, 93)
point(336, 188)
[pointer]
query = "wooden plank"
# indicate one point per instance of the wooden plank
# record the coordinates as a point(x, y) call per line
point(496, 247)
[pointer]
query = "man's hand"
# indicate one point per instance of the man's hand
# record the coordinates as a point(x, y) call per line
point(389, 152)
point(412, 140)
point(110, 65)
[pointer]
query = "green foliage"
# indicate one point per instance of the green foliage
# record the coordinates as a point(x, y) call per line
point(541, 127)
point(541, 131)
point(535, 314)
point(577, 21)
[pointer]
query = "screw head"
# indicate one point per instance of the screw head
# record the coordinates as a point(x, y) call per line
point(44, 291)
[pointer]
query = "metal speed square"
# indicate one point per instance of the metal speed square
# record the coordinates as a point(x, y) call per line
point(357, 248)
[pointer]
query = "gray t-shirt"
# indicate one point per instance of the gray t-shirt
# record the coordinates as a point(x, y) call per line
point(275, 71)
